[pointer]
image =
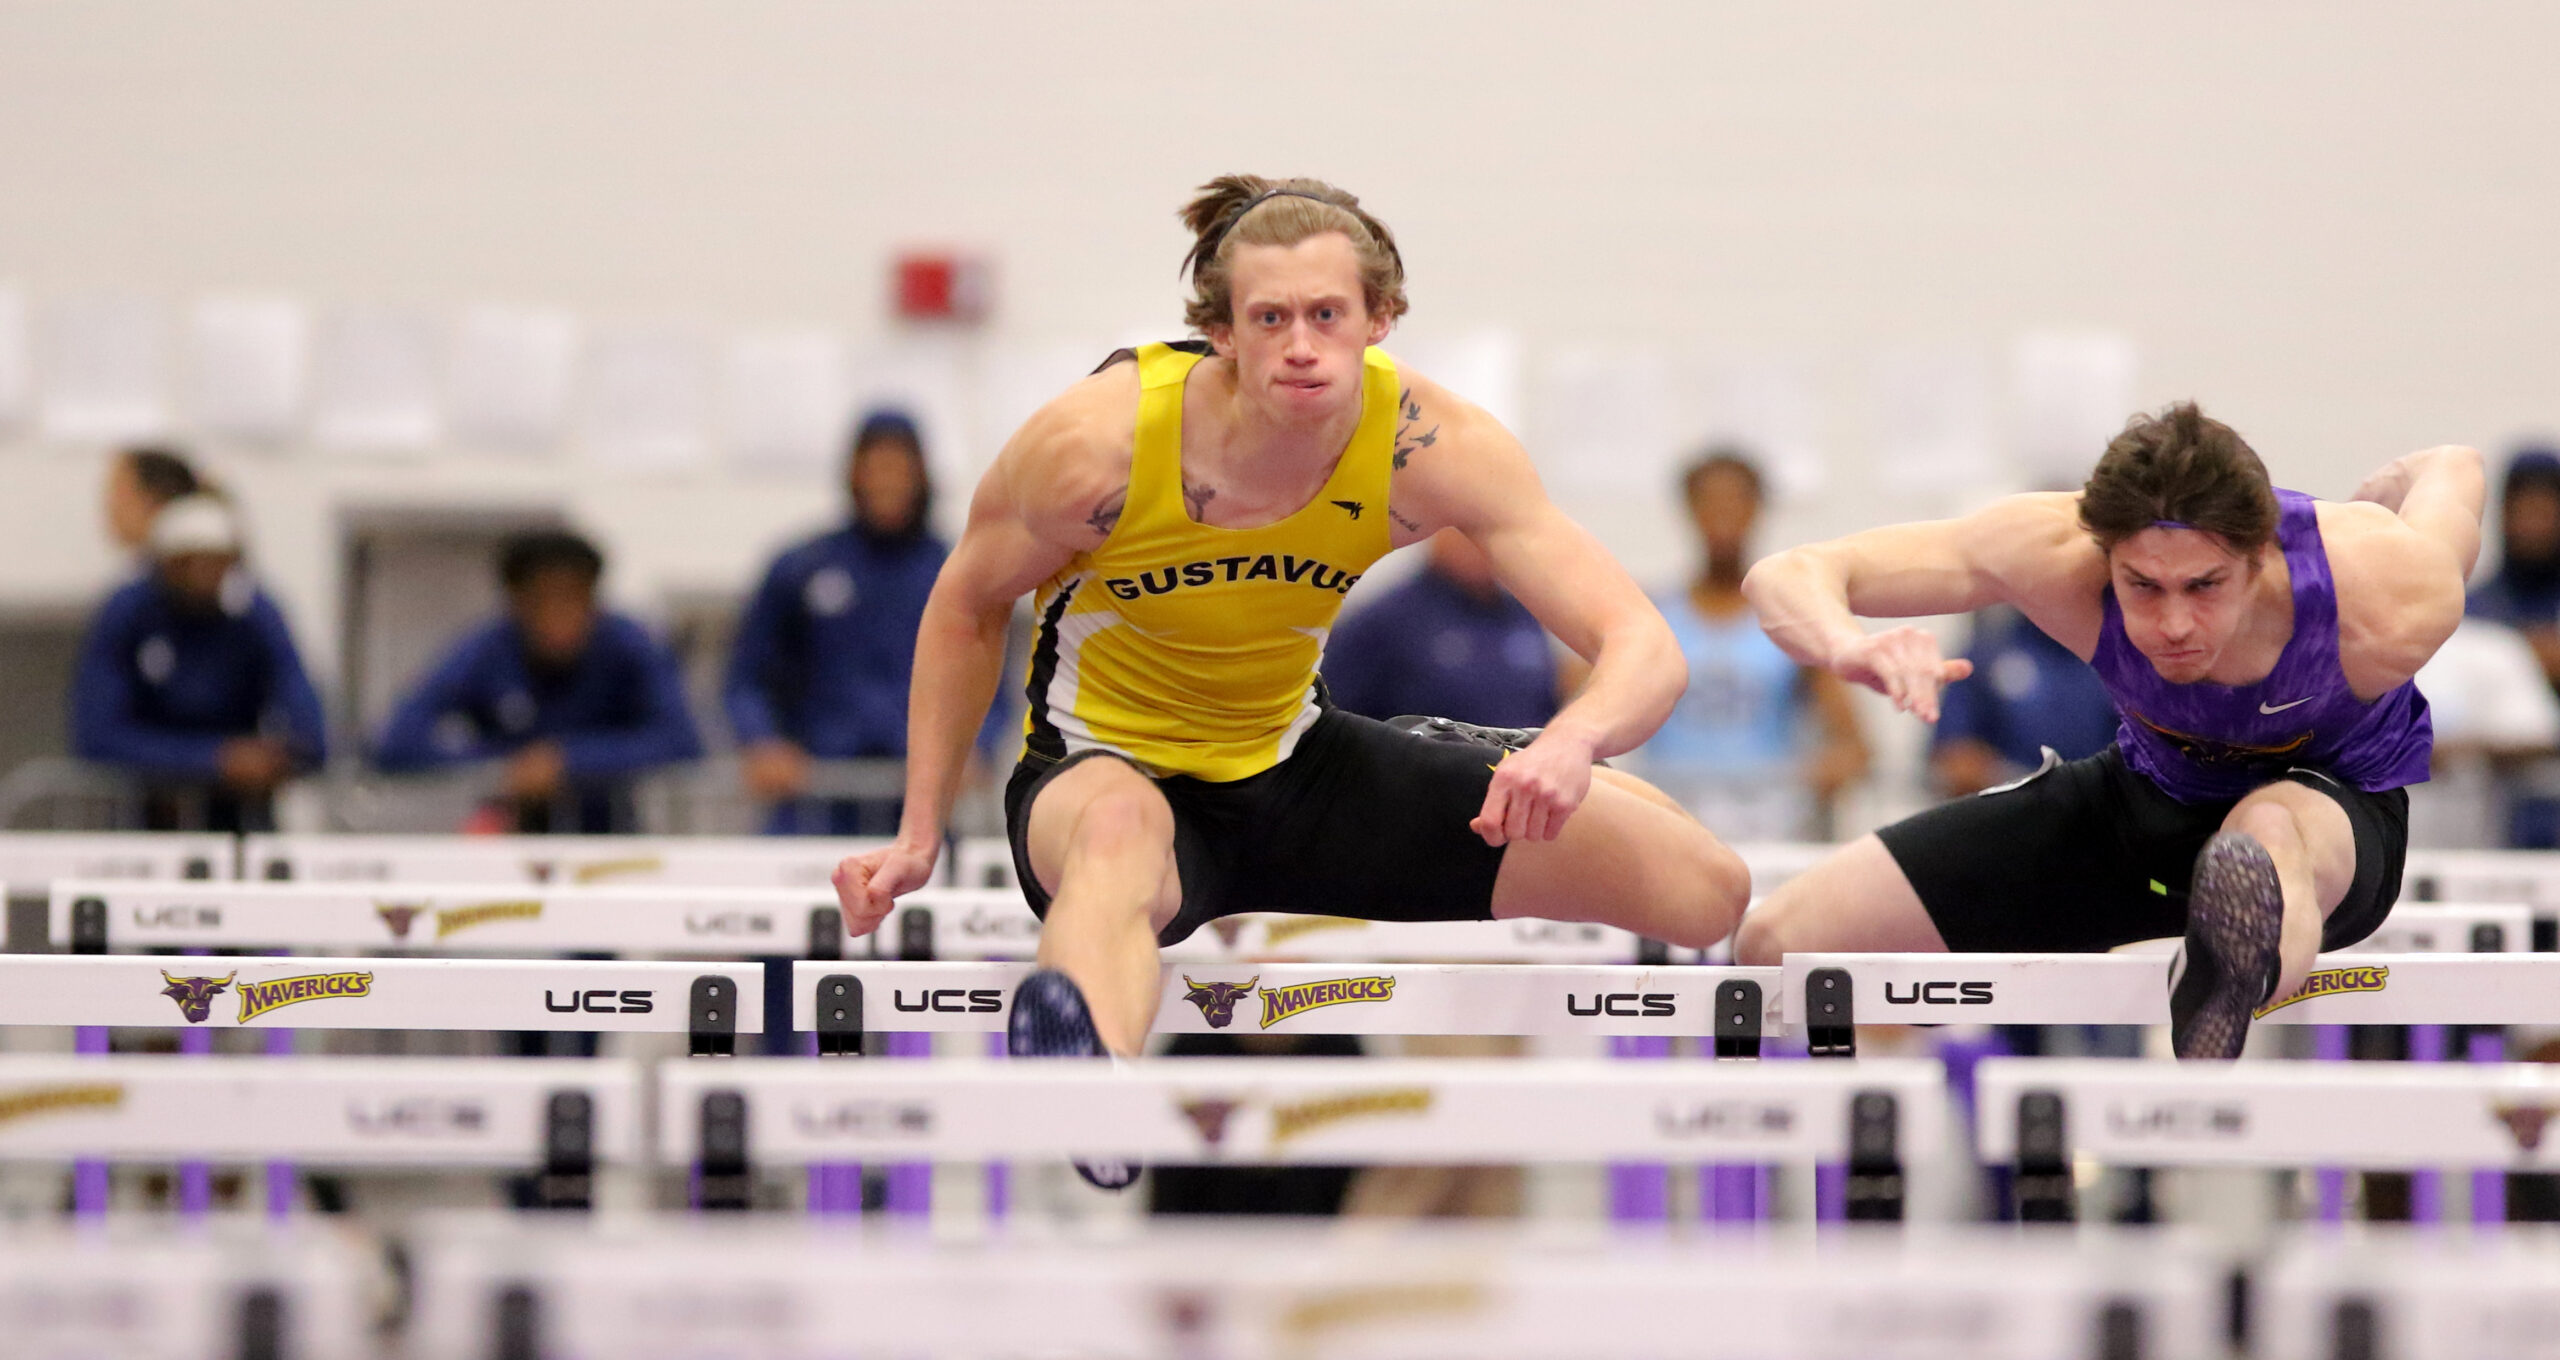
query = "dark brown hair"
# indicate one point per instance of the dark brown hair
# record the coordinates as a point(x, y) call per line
point(163, 474)
point(1235, 210)
point(1722, 458)
point(2184, 468)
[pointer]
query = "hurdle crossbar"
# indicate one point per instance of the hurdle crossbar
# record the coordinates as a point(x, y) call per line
point(1310, 998)
point(707, 1000)
point(2133, 989)
point(90, 916)
point(2381, 1115)
point(127, 1291)
point(1274, 1292)
point(553, 861)
point(2451, 928)
point(329, 1111)
point(1317, 1110)
point(31, 860)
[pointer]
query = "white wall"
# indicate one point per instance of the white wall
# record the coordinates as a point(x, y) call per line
point(2333, 223)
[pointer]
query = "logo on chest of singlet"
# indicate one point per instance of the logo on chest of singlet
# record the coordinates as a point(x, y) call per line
point(2217, 752)
point(1280, 568)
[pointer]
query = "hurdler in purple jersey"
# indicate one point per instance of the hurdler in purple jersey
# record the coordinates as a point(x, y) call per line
point(2201, 742)
point(2259, 646)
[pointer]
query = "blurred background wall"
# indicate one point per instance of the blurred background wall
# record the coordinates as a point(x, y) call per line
point(1908, 251)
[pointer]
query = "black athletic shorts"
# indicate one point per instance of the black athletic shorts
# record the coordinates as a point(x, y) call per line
point(2085, 855)
point(1361, 820)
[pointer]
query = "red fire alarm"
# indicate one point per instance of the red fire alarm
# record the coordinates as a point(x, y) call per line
point(941, 285)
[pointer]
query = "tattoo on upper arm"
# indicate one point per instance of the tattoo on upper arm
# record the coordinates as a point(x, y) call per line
point(1197, 495)
point(1409, 526)
point(1106, 516)
point(1408, 436)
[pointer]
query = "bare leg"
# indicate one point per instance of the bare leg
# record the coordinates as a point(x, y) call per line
point(2307, 835)
point(1631, 858)
point(1101, 841)
point(1855, 900)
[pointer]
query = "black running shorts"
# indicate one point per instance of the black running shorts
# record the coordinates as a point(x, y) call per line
point(2085, 855)
point(1361, 820)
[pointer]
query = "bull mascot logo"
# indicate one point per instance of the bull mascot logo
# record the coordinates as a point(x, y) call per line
point(1217, 1000)
point(195, 995)
point(398, 916)
point(1210, 1118)
point(1230, 929)
point(2526, 1123)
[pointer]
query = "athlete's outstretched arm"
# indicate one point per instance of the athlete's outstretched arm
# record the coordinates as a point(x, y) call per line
point(2022, 550)
point(2439, 492)
point(1006, 551)
point(1474, 476)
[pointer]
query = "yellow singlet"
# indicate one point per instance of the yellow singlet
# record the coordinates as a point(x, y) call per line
point(1193, 649)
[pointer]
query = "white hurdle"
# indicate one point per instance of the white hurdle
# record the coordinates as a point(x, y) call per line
point(89, 916)
point(122, 1292)
point(2410, 1296)
point(655, 1293)
point(2041, 1114)
point(1825, 992)
point(1309, 998)
point(31, 860)
point(563, 861)
point(710, 1002)
point(471, 1112)
point(1321, 1110)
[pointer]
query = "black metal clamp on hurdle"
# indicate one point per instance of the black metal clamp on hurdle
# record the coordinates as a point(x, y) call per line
point(727, 1182)
point(1738, 1019)
point(1830, 1022)
point(568, 1178)
point(2043, 1186)
point(1875, 1190)
point(713, 1028)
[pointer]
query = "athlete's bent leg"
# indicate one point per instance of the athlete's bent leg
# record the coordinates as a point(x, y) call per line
point(1629, 860)
point(1857, 899)
point(2306, 833)
point(1101, 842)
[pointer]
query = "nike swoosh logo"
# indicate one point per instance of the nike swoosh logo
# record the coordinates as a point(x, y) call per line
point(2279, 708)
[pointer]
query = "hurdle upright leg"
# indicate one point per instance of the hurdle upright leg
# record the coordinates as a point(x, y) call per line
point(1639, 1192)
point(910, 1187)
point(2426, 1184)
point(89, 1185)
point(2488, 1186)
point(2330, 1045)
point(282, 1178)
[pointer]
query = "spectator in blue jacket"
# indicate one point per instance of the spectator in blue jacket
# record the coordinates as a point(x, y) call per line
point(1448, 643)
point(189, 679)
point(827, 646)
point(577, 701)
point(2028, 694)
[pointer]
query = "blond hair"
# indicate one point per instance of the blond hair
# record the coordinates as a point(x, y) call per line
point(1235, 210)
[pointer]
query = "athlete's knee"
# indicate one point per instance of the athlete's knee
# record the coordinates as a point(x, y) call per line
point(1127, 819)
point(1762, 940)
point(2268, 822)
point(1718, 886)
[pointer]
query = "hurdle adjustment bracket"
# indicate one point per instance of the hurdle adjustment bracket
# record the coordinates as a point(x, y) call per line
point(714, 1026)
point(1652, 953)
point(1830, 1024)
point(727, 1184)
point(1737, 1006)
point(826, 933)
point(2044, 1190)
point(516, 1323)
point(1875, 1158)
point(262, 1323)
point(89, 925)
point(915, 935)
point(839, 1016)
point(568, 1179)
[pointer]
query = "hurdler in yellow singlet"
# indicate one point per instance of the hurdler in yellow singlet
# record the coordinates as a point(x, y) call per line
point(1193, 649)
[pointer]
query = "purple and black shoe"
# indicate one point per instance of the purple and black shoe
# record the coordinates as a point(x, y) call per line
point(1050, 1020)
point(2228, 966)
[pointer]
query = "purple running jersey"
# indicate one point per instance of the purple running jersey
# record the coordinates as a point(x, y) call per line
point(2206, 742)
